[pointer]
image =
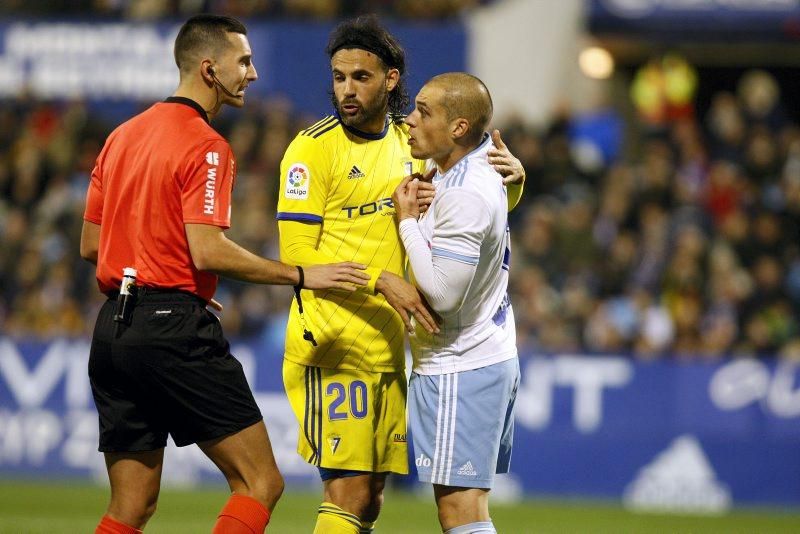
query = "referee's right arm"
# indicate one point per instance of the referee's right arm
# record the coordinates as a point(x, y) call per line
point(212, 251)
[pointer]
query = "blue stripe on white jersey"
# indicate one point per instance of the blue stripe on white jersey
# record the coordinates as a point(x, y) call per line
point(463, 258)
point(456, 178)
point(451, 177)
point(507, 254)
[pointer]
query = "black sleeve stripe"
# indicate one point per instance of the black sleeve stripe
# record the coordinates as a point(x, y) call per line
point(318, 123)
point(317, 127)
point(327, 128)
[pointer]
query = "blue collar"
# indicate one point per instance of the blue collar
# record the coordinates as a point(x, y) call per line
point(364, 135)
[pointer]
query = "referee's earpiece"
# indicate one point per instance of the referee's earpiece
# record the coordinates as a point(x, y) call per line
point(211, 75)
point(211, 72)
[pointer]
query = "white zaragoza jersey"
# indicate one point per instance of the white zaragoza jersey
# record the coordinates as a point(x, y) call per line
point(468, 223)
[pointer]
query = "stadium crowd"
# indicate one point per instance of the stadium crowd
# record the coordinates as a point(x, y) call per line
point(686, 244)
point(306, 9)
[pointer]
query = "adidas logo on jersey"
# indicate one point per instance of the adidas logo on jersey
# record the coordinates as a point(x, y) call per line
point(355, 172)
point(467, 470)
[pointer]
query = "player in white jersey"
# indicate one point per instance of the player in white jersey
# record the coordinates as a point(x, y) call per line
point(465, 378)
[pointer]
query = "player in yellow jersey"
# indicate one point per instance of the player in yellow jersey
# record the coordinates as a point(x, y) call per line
point(344, 367)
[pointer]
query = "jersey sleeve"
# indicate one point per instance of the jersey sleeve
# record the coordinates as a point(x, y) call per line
point(462, 221)
point(304, 182)
point(514, 195)
point(207, 183)
point(444, 270)
point(94, 196)
point(298, 246)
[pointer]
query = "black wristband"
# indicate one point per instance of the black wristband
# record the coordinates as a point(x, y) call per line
point(302, 278)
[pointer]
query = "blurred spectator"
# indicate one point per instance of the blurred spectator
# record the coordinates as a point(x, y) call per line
point(726, 124)
point(315, 9)
point(760, 96)
point(663, 90)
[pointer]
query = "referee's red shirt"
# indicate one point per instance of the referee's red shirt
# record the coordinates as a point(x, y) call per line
point(159, 170)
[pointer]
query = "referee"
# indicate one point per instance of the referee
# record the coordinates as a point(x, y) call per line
point(159, 202)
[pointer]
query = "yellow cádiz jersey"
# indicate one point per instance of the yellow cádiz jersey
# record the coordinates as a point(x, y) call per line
point(344, 179)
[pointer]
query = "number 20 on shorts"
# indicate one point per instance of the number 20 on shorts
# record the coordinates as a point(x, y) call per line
point(354, 397)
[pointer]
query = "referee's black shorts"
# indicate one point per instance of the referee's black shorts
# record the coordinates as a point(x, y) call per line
point(169, 372)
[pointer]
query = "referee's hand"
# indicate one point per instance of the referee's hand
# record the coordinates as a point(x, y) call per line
point(345, 276)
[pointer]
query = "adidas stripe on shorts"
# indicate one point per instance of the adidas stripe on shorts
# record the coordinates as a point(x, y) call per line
point(463, 424)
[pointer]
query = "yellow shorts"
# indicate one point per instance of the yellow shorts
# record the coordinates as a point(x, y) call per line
point(349, 419)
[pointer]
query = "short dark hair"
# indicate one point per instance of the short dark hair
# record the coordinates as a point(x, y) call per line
point(466, 96)
point(366, 33)
point(203, 33)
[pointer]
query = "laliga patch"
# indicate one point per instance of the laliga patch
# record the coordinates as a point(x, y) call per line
point(298, 180)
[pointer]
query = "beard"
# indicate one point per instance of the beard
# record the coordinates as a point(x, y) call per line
point(368, 113)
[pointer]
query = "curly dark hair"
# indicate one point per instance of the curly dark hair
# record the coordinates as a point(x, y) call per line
point(366, 33)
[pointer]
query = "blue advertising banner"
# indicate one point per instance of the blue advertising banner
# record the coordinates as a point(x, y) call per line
point(120, 63)
point(700, 20)
point(661, 435)
point(664, 435)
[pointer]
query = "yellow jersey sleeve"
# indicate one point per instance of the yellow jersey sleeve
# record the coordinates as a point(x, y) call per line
point(514, 195)
point(298, 242)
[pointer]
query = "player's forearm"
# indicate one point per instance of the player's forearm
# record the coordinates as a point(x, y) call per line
point(444, 283)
